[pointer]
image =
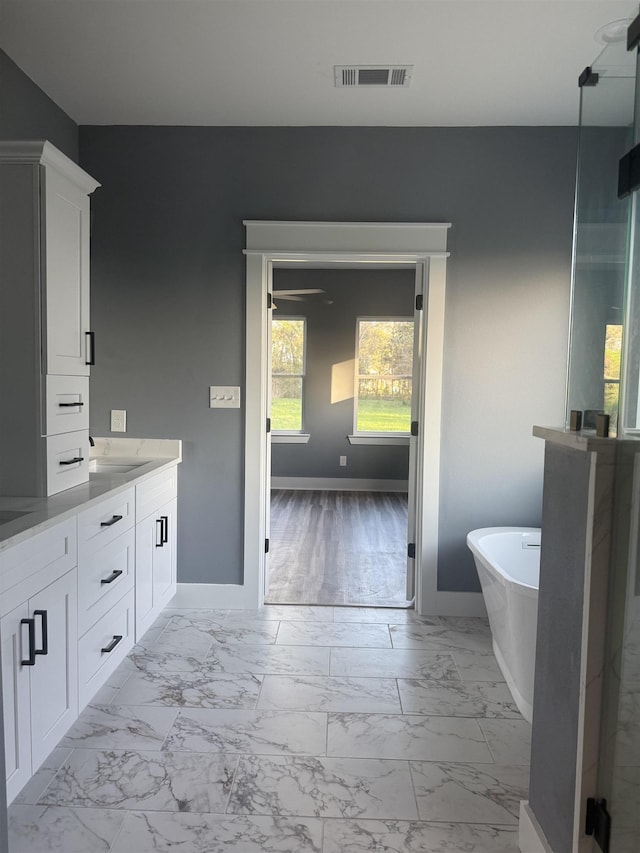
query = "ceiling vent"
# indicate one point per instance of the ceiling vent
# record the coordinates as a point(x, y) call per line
point(372, 75)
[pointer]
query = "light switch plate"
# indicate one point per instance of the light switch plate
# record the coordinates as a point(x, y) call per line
point(224, 396)
point(118, 420)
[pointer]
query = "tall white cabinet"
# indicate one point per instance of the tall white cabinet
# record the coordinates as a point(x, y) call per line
point(46, 343)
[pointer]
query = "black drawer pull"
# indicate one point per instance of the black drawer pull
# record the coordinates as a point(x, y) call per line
point(113, 576)
point(72, 461)
point(114, 518)
point(165, 528)
point(107, 649)
point(69, 405)
point(31, 624)
point(160, 522)
point(45, 632)
point(91, 348)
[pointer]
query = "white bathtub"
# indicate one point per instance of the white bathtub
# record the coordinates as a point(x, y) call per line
point(508, 564)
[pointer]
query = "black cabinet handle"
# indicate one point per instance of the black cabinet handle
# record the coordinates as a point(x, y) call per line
point(72, 461)
point(161, 542)
point(69, 405)
point(115, 574)
point(165, 528)
point(31, 659)
point(107, 649)
point(45, 632)
point(91, 348)
point(114, 518)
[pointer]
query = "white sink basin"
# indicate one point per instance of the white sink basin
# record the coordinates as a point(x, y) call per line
point(102, 466)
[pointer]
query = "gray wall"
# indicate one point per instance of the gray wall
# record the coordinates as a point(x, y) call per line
point(559, 642)
point(168, 298)
point(27, 113)
point(331, 339)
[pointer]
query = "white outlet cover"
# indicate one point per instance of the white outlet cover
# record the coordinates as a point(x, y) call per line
point(118, 420)
point(224, 396)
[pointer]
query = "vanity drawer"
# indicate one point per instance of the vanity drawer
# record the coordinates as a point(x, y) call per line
point(155, 492)
point(30, 566)
point(104, 522)
point(104, 577)
point(67, 404)
point(104, 646)
point(67, 460)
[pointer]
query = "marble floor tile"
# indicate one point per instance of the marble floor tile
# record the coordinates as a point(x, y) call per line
point(155, 832)
point(469, 793)
point(53, 829)
point(36, 785)
point(382, 615)
point(508, 740)
point(477, 667)
point(457, 698)
point(322, 693)
point(440, 638)
point(206, 614)
point(406, 736)
point(152, 781)
point(476, 624)
point(169, 657)
point(272, 659)
point(227, 633)
point(393, 663)
point(285, 612)
point(192, 689)
point(391, 836)
point(260, 732)
point(183, 635)
point(322, 787)
point(120, 727)
point(334, 634)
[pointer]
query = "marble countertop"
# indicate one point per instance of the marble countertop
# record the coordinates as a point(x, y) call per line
point(34, 515)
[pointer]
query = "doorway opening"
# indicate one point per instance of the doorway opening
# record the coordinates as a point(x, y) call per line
point(422, 246)
point(342, 362)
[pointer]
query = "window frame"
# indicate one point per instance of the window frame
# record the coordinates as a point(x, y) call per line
point(292, 435)
point(369, 437)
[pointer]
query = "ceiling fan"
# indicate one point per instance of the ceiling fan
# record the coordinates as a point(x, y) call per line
point(298, 295)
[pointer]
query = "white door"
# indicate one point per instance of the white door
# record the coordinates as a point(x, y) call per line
point(416, 408)
point(69, 345)
point(148, 539)
point(267, 519)
point(164, 558)
point(15, 699)
point(54, 678)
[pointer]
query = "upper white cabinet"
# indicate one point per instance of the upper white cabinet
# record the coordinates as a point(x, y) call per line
point(46, 343)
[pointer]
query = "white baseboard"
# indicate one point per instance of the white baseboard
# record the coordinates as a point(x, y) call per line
point(339, 484)
point(225, 596)
point(532, 838)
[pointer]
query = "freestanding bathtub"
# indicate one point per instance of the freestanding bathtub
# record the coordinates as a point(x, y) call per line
point(508, 564)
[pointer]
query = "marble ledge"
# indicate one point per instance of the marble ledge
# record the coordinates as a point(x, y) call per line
point(584, 440)
point(152, 456)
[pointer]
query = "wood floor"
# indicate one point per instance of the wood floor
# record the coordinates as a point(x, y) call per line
point(338, 548)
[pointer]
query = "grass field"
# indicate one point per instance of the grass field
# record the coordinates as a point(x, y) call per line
point(373, 415)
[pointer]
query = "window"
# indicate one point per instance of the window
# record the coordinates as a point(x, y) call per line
point(383, 376)
point(287, 373)
point(612, 350)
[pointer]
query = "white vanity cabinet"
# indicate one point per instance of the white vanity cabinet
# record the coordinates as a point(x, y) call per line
point(46, 344)
point(38, 631)
point(156, 525)
point(106, 575)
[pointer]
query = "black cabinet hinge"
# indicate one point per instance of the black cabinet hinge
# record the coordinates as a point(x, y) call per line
point(266, 546)
point(414, 427)
point(633, 34)
point(411, 550)
point(419, 302)
point(598, 823)
point(269, 300)
point(268, 424)
point(629, 172)
point(588, 77)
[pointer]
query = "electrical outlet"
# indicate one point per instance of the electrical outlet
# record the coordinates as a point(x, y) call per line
point(343, 461)
point(118, 420)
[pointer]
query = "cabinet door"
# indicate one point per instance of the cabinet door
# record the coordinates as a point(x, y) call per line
point(164, 563)
point(15, 701)
point(148, 537)
point(54, 678)
point(66, 275)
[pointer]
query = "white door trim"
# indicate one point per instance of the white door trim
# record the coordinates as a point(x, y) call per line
point(345, 244)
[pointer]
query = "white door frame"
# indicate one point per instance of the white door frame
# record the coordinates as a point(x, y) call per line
point(341, 244)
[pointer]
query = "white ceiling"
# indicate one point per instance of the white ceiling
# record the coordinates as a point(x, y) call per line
point(270, 62)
